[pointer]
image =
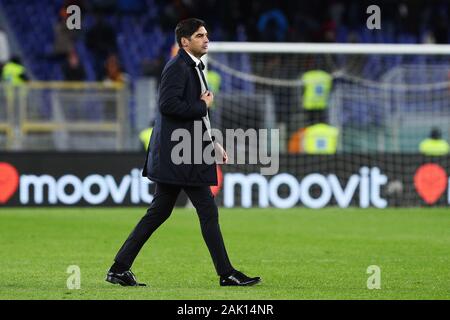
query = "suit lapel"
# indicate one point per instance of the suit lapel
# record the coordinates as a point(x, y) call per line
point(193, 72)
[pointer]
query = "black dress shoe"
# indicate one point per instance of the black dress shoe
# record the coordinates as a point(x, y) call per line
point(237, 278)
point(126, 278)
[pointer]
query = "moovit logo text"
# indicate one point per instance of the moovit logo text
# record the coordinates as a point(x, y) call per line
point(369, 182)
point(94, 189)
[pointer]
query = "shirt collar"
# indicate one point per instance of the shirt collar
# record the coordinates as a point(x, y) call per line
point(196, 60)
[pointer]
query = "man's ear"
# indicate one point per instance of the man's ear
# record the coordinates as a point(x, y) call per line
point(184, 42)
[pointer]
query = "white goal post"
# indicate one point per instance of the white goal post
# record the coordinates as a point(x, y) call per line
point(242, 61)
point(336, 48)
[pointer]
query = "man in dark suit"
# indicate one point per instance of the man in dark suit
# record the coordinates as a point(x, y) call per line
point(184, 101)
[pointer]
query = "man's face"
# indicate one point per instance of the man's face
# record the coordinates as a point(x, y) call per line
point(198, 43)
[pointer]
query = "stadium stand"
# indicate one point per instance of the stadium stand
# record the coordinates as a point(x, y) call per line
point(145, 35)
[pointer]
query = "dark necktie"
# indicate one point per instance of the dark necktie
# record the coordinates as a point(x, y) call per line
point(200, 67)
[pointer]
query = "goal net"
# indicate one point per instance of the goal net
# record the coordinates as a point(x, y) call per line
point(353, 122)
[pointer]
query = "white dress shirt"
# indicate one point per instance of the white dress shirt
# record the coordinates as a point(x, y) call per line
point(203, 90)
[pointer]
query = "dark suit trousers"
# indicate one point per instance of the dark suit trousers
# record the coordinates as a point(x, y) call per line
point(160, 209)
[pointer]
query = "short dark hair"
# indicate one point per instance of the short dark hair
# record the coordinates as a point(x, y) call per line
point(186, 28)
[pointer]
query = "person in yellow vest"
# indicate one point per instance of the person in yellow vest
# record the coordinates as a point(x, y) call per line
point(214, 82)
point(13, 76)
point(145, 135)
point(320, 138)
point(434, 145)
point(14, 72)
point(317, 88)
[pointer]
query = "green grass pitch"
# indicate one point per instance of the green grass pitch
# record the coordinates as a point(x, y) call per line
point(299, 253)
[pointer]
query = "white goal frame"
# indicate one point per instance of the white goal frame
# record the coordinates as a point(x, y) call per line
point(335, 48)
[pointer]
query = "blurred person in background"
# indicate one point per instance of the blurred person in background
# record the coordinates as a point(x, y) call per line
point(435, 145)
point(114, 78)
point(73, 70)
point(13, 72)
point(440, 29)
point(273, 25)
point(145, 135)
point(101, 41)
point(408, 18)
point(64, 38)
point(114, 71)
point(173, 11)
point(316, 94)
point(14, 75)
point(215, 82)
point(320, 138)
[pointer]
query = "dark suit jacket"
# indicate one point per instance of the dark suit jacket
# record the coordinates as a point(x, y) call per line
point(179, 106)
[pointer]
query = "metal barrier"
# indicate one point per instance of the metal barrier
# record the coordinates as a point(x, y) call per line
point(6, 118)
point(64, 116)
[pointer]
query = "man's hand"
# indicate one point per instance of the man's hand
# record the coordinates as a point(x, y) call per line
point(208, 97)
point(221, 154)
